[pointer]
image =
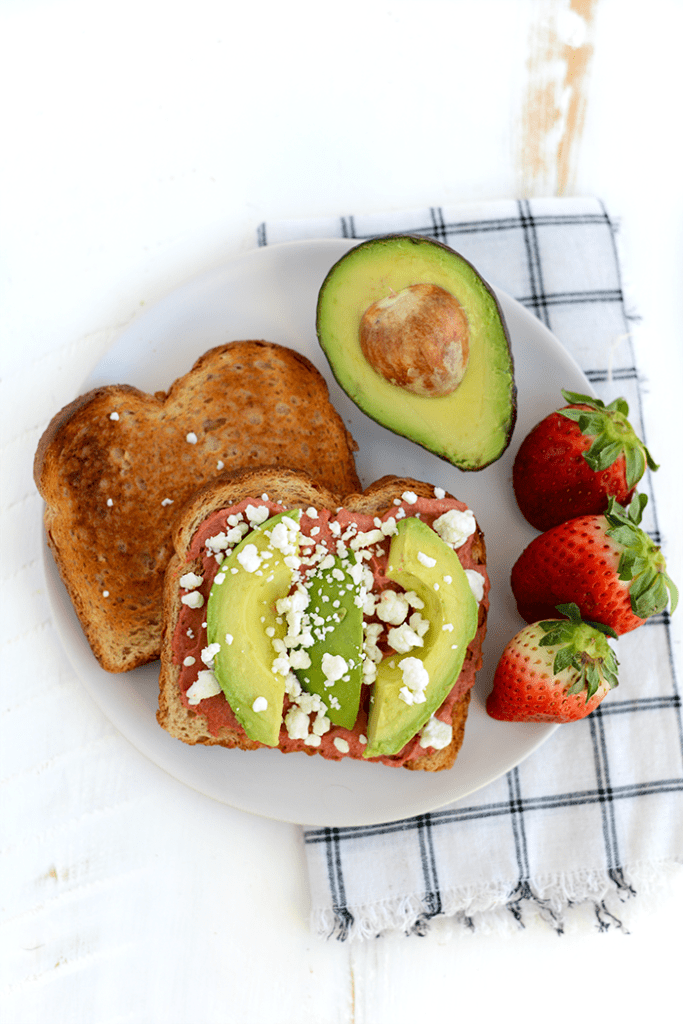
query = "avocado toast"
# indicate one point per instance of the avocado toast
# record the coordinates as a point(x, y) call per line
point(302, 619)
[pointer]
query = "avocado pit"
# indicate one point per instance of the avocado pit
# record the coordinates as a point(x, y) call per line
point(418, 339)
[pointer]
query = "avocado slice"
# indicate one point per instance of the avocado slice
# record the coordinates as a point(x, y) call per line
point(335, 615)
point(421, 561)
point(241, 606)
point(472, 425)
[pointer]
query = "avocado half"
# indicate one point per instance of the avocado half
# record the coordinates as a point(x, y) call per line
point(472, 426)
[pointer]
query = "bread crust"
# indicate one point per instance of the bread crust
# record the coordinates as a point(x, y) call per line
point(292, 490)
point(113, 485)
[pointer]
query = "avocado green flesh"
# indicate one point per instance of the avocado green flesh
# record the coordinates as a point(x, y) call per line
point(341, 635)
point(243, 606)
point(392, 722)
point(473, 425)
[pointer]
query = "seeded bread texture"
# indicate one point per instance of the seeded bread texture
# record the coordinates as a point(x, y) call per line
point(292, 490)
point(116, 466)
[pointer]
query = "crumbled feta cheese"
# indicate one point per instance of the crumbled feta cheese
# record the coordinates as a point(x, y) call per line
point(219, 542)
point(296, 723)
point(206, 685)
point(191, 438)
point(189, 660)
point(334, 667)
point(476, 582)
point(209, 653)
point(193, 600)
point(167, 501)
point(364, 540)
point(392, 607)
point(249, 558)
point(436, 734)
point(257, 514)
point(220, 464)
point(454, 527)
point(312, 513)
point(229, 638)
point(409, 497)
point(403, 639)
point(190, 580)
point(110, 502)
point(439, 493)
point(426, 560)
point(260, 704)
point(341, 745)
point(105, 593)
point(113, 416)
point(415, 681)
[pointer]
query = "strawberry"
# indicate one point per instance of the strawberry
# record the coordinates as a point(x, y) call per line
point(605, 564)
point(556, 671)
point(575, 459)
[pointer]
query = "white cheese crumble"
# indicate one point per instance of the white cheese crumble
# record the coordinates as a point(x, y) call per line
point(105, 593)
point(341, 745)
point(110, 502)
point(167, 501)
point(206, 685)
point(209, 653)
point(113, 416)
point(189, 660)
point(436, 734)
point(334, 667)
point(409, 497)
point(249, 558)
point(191, 438)
point(220, 464)
point(260, 704)
point(476, 582)
point(454, 527)
point(426, 560)
point(193, 600)
point(190, 580)
point(415, 681)
point(439, 493)
point(392, 607)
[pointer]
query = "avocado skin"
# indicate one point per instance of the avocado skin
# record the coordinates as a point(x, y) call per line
point(440, 425)
point(392, 722)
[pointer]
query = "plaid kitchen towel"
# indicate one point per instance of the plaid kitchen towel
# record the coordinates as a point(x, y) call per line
point(596, 813)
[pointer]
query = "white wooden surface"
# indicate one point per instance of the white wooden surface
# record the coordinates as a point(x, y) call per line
point(143, 142)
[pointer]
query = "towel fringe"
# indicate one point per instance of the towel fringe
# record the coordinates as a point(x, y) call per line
point(552, 901)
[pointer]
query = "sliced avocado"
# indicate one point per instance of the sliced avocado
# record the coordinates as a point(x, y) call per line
point(393, 722)
point(472, 425)
point(241, 606)
point(335, 615)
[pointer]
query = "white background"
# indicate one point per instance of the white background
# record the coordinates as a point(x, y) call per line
point(142, 143)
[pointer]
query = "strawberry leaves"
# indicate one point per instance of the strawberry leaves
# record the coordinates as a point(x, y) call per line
point(641, 561)
point(612, 435)
point(581, 646)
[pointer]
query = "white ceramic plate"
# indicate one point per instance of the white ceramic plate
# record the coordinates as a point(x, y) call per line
point(271, 293)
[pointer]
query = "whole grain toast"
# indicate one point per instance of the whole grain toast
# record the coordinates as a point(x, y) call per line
point(116, 465)
point(291, 490)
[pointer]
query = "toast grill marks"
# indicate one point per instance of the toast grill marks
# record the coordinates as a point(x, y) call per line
point(211, 724)
point(116, 465)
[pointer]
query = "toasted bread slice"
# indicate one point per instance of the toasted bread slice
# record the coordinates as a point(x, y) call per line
point(290, 490)
point(116, 465)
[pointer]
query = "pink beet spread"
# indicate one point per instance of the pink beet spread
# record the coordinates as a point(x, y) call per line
point(190, 634)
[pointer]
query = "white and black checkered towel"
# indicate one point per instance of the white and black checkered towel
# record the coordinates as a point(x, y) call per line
point(596, 813)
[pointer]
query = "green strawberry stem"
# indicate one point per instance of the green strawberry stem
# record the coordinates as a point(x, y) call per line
point(612, 435)
point(582, 646)
point(641, 560)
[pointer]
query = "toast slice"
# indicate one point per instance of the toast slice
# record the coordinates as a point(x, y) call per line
point(115, 466)
point(210, 721)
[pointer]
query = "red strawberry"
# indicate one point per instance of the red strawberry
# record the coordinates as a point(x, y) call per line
point(574, 459)
point(605, 564)
point(556, 671)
